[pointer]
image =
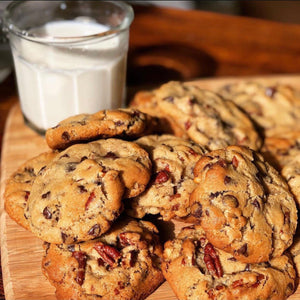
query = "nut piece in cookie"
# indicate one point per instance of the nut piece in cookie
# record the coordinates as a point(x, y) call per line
point(172, 182)
point(206, 117)
point(243, 204)
point(124, 263)
point(195, 269)
point(75, 199)
point(18, 186)
point(123, 123)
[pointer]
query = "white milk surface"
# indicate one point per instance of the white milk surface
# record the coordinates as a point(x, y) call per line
point(57, 81)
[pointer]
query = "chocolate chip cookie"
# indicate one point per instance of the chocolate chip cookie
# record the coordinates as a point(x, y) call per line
point(243, 204)
point(195, 269)
point(206, 117)
point(76, 198)
point(19, 184)
point(172, 182)
point(273, 107)
point(125, 123)
point(291, 172)
point(124, 263)
point(279, 149)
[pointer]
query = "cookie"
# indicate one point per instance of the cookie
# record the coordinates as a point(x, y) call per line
point(172, 182)
point(206, 117)
point(291, 172)
point(125, 123)
point(122, 264)
point(243, 204)
point(294, 250)
point(19, 184)
point(195, 269)
point(146, 102)
point(75, 199)
point(279, 149)
point(273, 107)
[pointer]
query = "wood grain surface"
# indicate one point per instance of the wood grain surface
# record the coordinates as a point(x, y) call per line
point(21, 252)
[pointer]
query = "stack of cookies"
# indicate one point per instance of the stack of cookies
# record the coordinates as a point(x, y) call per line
point(219, 161)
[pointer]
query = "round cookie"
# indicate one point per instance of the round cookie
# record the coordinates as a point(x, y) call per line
point(243, 204)
point(279, 149)
point(291, 172)
point(196, 270)
point(74, 199)
point(272, 107)
point(124, 264)
point(125, 123)
point(206, 117)
point(172, 183)
point(19, 184)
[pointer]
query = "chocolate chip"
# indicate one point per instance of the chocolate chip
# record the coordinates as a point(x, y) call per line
point(41, 171)
point(119, 123)
point(83, 158)
point(82, 189)
point(256, 204)
point(214, 195)
point(65, 156)
point(111, 155)
point(46, 195)
point(227, 179)
point(64, 236)
point(198, 211)
point(243, 250)
point(71, 248)
point(71, 166)
point(95, 230)
point(65, 136)
point(270, 91)
point(30, 171)
point(47, 213)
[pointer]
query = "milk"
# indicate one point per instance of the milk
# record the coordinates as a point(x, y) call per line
point(58, 80)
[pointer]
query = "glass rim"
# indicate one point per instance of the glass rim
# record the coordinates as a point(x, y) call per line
point(9, 26)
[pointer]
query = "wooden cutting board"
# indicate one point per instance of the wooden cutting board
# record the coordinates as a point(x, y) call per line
point(21, 252)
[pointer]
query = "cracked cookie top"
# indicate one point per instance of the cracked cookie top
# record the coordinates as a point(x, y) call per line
point(243, 204)
point(206, 117)
point(273, 107)
point(124, 263)
point(123, 123)
point(172, 182)
point(18, 186)
point(195, 269)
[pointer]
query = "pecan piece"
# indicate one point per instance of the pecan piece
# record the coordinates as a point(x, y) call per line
point(81, 258)
point(107, 253)
point(212, 261)
point(91, 197)
point(161, 177)
point(133, 239)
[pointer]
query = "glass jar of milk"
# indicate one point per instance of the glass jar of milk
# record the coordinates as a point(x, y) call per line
point(69, 57)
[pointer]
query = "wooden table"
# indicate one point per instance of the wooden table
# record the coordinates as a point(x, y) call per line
point(168, 44)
